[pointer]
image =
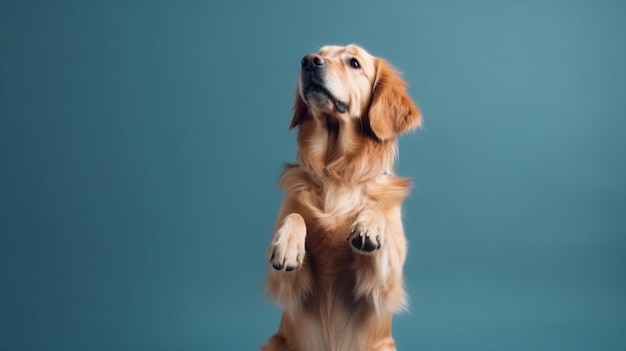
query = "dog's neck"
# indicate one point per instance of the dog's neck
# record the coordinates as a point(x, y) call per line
point(342, 150)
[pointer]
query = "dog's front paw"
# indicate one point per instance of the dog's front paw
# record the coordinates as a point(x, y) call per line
point(366, 236)
point(286, 252)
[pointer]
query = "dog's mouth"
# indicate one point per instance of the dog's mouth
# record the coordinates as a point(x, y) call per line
point(313, 90)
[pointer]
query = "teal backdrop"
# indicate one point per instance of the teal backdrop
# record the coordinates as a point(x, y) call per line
point(141, 142)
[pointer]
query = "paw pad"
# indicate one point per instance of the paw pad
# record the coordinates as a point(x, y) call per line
point(364, 242)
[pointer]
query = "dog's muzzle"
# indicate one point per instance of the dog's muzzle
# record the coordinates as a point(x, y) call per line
point(312, 80)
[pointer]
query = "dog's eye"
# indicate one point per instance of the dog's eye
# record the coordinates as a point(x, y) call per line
point(354, 63)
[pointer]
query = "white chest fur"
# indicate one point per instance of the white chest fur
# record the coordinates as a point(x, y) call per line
point(342, 199)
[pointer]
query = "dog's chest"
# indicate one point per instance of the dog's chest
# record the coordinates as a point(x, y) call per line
point(340, 200)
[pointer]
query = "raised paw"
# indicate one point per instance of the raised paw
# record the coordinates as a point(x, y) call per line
point(365, 237)
point(286, 252)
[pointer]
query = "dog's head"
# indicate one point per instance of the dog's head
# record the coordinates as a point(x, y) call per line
point(348, 85)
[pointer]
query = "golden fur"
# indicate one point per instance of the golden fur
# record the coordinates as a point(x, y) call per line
point(338, 248)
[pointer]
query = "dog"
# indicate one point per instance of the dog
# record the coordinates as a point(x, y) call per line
point(338, 248)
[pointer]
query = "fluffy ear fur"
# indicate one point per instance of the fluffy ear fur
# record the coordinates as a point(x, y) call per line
point(392, 112)
point(299, 111)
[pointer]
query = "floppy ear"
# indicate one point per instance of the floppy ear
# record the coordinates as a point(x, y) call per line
point(299, 111)
point(392, 112)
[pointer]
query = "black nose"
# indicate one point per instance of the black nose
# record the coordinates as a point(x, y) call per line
point(311, 61)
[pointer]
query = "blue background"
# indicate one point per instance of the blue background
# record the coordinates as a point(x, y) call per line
point(140, 144)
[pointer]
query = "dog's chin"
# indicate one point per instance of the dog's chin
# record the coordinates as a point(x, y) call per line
point(322, 98)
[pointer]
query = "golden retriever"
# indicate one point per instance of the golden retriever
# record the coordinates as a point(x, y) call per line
point(338, 247)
